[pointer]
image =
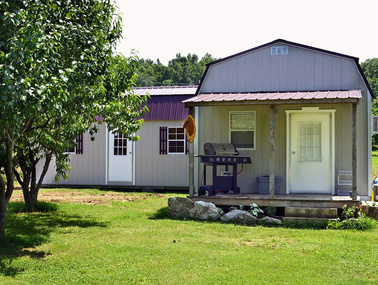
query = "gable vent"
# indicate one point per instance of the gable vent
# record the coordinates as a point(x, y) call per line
point(279, 50)
point(375, 124)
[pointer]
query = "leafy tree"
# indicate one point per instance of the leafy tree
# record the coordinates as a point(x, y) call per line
point(58, 72)
point(180, 71)
point(370, 69)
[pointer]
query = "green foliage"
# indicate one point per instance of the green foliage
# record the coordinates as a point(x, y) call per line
point(255, 210)
point(57, 73)
point(370, 69)
point(240, 207)
point(350, 212)
point(271, 211)
point(180, 71)
point(362, 223)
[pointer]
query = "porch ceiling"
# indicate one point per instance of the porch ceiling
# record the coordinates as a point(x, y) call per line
point(348, 96)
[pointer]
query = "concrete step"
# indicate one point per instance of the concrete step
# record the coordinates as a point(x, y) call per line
point(306, 219)
point(319, 213)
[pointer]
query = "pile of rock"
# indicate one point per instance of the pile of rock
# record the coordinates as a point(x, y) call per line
point(184, 208)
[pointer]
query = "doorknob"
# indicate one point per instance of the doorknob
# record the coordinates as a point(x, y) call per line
point(293, 152)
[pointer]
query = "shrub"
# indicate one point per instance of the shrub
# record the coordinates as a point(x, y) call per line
point(255, 210)
point(363, 223)
point(271, 211)
point(350, 212)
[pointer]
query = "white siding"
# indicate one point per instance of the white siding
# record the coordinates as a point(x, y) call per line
point(87, 168)
point(153, 169)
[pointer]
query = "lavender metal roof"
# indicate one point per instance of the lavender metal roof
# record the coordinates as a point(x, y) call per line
point(165, 102)
point(273, 96)
point(167, 107)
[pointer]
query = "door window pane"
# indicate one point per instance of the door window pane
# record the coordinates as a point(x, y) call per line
point(310, 142)
point(120, 144)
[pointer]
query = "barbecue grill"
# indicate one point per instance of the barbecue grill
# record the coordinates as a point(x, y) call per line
point(226, 155)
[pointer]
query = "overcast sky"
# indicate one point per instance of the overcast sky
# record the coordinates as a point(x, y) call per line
point(162, 28)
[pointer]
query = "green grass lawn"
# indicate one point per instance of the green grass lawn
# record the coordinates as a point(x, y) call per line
point(128, 241)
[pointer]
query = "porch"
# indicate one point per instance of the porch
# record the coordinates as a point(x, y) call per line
point(288, 200)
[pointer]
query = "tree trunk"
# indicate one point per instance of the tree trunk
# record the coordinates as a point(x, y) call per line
point(6, 189)
point(3, 209)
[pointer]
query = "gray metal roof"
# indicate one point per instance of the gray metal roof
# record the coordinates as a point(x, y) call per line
point(166, 90)
point(273, 96)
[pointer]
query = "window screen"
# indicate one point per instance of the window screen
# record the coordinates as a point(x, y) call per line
point(242, 129)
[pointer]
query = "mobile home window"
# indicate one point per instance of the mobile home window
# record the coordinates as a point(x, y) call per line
point(77, 146)
point(242, 129)
point(120, 144)
point(176, 140)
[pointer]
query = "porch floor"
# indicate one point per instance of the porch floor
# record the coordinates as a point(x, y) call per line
point(289, 200)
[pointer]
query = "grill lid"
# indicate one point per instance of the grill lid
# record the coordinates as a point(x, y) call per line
point(220, 149)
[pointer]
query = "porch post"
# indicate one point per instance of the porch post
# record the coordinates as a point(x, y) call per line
point(354, 152)
point(272, 170)
point(191, 160)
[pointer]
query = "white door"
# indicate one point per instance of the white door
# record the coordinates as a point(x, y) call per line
point(120, 158)
point(310, 153)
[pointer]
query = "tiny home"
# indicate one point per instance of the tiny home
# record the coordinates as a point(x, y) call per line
point(158, 160)
point(302, 114)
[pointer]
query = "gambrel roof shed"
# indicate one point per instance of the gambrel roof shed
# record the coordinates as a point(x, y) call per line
point(251, 74)
point(287, 106)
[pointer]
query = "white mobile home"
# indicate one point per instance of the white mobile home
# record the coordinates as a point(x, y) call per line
point(158, 160)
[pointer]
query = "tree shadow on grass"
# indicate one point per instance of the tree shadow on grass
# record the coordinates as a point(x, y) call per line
point(162, 213)
point(25, 231)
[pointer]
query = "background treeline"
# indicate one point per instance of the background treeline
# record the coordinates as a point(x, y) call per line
point(370, 69)
point(182, 70)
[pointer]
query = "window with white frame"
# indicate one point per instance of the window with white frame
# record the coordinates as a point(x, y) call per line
point(76, 147)
point(71, 149)
point(120, 144)
point(176, 140)
point(242, 129)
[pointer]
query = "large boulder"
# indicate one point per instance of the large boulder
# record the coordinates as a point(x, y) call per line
point(271, 221)
point(239, 217)
point(179, 207)
point(370, 210)
point(204, 211)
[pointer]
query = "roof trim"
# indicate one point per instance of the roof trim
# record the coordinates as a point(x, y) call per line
point(281, 41)
point(166, 90)
point(297, 97)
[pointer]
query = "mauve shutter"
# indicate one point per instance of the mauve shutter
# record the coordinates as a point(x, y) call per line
point(163, 140)
point(186, 145)
point(79, 144)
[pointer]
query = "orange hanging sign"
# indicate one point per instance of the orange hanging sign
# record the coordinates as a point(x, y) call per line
point(190, 127)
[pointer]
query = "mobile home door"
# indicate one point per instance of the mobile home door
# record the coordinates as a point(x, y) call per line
point(120, 158)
